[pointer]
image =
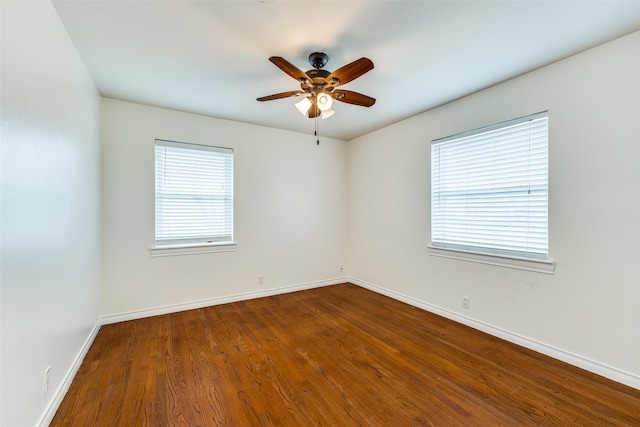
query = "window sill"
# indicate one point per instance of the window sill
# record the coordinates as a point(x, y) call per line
point(547, 267)
point(191, 249)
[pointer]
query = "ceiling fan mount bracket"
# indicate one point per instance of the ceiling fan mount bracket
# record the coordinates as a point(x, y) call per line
point(318, 60)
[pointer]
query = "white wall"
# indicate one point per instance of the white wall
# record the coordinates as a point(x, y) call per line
point(292, 223)
point(50, 208)
point(290, 212)
point(587, 312)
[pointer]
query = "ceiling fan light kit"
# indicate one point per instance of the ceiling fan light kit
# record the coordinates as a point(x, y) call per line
point(320, 85)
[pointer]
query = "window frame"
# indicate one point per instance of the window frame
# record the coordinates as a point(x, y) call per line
point(487, 254)
point(183, 245)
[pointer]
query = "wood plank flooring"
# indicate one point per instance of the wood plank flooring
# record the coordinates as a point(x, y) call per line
point(332, 356)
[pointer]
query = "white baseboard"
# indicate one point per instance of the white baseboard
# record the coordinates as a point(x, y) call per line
point(50, 411)
point(174, 308)
point(53, 406)
point(573, 359)
point(612, 373)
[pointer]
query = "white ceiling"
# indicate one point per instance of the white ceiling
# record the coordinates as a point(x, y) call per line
point(211, 57)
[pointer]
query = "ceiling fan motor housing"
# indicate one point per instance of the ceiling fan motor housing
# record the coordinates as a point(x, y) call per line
point(318, 76)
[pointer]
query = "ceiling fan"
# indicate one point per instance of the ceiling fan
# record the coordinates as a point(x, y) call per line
point(321, 86)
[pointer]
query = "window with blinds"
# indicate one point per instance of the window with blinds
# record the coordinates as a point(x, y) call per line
point(489, 190)
point(194, 194)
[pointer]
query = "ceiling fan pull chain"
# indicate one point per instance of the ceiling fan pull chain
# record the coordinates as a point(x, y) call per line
point(317, 131)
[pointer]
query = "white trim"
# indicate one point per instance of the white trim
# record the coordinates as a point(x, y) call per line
point(539, 266)
point(615, 374)
point(191, 249)
point(174, 308)
point(489, 128)
point(54, 404)
point(62, 390)
point(191, 146)
point(612, 373)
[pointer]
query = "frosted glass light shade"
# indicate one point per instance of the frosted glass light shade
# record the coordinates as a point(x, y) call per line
point(324, 102)
point(325, 114)
point(303, 106)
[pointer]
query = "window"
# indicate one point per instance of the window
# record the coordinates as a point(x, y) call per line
point(489, 190)
point(194, 195)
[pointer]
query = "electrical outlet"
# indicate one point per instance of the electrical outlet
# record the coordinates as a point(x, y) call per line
point(341, 268)
point(466, 302)
point(45, 380)
point(260, 280)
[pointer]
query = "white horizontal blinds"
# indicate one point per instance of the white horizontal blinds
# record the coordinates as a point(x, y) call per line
point(489, 190)
point(194, 194)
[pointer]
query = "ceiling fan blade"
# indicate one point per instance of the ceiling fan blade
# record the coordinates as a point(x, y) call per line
point(349, 72)
point(354, 98)
point(290, 69)
point(282, 95)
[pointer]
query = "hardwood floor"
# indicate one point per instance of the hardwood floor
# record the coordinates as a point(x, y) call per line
point(332, 356)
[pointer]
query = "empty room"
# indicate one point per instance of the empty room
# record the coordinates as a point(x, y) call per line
point(331, 213)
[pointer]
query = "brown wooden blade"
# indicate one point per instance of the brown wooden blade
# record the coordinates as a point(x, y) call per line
point(281, 95)
point(350, 72)
point(354, 98)
point(290, 69)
